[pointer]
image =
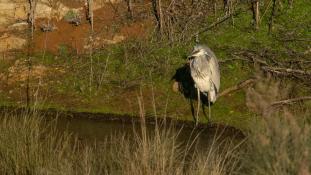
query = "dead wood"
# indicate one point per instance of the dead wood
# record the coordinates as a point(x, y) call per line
point(256, 60)
point(157, 15)
point(233, 59)
point(239, 86)
point(271, 20)
point(279, 70)
point(217, 22)
point(290, 101)
point(129, 9)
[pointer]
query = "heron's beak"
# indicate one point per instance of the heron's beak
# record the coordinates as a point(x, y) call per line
point(189, 58)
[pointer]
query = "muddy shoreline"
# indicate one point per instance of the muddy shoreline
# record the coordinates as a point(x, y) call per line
point(125, 119)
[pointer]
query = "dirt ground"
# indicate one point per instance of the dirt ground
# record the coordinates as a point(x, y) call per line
point(110, 27)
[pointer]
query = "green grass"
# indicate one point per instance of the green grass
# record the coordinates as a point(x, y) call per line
point(120, 71)
point(276, 144)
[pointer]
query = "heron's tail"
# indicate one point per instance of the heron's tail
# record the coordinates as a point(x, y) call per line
point(212, 96)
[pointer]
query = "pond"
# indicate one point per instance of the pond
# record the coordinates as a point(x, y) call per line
point(90, 127)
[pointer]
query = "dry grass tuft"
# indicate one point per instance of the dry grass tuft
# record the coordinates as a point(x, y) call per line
point(279, 144)
point(266, 91)
point(29, 145)
point(280, 139)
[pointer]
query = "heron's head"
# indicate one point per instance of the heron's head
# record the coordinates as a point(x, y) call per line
point(197, 52)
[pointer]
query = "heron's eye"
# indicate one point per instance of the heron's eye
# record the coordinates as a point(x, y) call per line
point(191, 57)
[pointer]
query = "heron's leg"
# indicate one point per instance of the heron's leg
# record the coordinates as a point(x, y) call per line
point(192, 109)
point(198, 109)
point(209, 111)
point(203, 106)
point(204, 112)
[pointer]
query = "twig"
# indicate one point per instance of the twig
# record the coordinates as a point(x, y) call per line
point(290, 101)
point(237, 87)
point(271, 20)
point(294, 39)
point(279, 70)
point(298, 61)
point(220, 20)
point(253, 58)
point(233, 59)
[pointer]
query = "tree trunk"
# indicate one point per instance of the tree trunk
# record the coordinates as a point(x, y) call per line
point(271, 20)
point(256, 13)
point(226, 7)
point(231, 10)
point(129, 9)
point(31, 16)
point(31, 21)
point(215, 9)
point(90, 14)
point(157, 15)
point(161, 16)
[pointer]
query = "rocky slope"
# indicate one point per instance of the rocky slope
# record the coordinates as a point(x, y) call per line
point(14, 14)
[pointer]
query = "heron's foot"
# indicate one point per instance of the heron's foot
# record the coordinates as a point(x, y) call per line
point(209, 123)
point(196, 123)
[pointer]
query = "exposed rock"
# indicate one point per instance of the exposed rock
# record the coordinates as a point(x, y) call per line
point(11, 11)
point(20, 12)
point(19, 72)
point(18, 26)
point(116, 39)
point(97, 4)
point(59, 10)
point(48, 27)
point(9, 42)
point(98, 42)
point(14, 16)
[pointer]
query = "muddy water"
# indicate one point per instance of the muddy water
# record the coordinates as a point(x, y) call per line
point(99, 130)
point(97, 127)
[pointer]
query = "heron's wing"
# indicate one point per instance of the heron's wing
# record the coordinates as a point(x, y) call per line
point(215, 73)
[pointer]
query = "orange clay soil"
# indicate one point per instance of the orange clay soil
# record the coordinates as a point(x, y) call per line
point(108, 22)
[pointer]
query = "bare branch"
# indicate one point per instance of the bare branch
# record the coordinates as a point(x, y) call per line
point(219, 21)
point(290, 101)
point(233, 59)
point(279, 70)
point(237, 87)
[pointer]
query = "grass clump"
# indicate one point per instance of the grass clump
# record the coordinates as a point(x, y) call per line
point(279, 145)
point(30, 145)
point(29, 148)
point(279, 141)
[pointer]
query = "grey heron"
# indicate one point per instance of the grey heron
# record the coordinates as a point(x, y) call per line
point(205, 73)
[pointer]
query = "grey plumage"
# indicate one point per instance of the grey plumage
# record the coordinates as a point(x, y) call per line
point(205, 72)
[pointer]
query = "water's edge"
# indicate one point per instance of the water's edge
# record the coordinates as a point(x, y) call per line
point(99, 125)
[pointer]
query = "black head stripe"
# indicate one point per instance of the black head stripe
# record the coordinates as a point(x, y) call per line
point(195, 52)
